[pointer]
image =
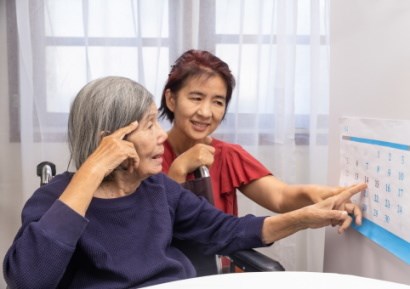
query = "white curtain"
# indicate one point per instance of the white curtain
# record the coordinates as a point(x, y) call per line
point(277, 50)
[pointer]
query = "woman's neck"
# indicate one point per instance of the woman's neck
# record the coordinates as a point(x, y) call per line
point(122, 184)
point(179, 142)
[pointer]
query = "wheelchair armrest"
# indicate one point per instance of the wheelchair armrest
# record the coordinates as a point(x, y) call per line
point(253, 261)
point(46, 171)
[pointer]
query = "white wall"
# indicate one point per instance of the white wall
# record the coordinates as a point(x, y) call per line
point(369, 77)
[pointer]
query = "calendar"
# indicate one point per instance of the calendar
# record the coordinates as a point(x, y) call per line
point(377, 152)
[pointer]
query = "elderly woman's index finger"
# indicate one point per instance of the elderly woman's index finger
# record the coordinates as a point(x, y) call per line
point(122, 132)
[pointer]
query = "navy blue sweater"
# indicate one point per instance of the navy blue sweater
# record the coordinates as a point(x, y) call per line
point(121, 243)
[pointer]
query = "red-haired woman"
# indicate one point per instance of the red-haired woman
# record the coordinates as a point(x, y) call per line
point(195, 100)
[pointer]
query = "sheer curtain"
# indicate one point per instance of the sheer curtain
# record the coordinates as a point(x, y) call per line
point(277, 50)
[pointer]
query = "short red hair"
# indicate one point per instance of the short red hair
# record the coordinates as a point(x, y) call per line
point(194, 63)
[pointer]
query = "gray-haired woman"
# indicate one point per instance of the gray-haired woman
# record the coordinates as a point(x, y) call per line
point(110, 224)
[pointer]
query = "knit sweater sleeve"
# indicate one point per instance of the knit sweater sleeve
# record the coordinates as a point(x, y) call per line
point(45, 238)
point(216, 231)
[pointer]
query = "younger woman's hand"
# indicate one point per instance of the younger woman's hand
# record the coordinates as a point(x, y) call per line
point(201, 154)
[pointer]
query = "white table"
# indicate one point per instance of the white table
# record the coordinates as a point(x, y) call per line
point(281, 280)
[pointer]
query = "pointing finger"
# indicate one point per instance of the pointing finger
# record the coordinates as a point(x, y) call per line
point(124, 131)
point(351, 191)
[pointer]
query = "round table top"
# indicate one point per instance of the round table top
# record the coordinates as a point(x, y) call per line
point(281, 280)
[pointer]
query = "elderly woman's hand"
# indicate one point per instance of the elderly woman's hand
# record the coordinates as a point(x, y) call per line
point(115, 151)
point(332, 211)
point(341, 201)
point(319, 193)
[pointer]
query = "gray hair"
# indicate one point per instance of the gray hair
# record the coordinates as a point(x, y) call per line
point(103, 105)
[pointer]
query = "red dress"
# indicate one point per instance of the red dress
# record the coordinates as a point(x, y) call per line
point(232, 167)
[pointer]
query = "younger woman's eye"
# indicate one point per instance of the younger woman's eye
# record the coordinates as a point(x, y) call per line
point(195, 97)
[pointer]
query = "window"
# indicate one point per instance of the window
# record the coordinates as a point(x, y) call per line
point(247, 33)
point(128, 38)
point(79, 40)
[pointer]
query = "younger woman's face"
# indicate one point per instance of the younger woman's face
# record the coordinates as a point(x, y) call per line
point(199, 106)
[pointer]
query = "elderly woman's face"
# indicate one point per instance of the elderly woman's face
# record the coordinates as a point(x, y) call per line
point(148, 140)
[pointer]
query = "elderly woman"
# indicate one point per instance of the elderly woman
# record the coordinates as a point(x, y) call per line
point(110, 224)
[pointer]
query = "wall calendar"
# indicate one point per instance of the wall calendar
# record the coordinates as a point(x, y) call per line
point(377, 152)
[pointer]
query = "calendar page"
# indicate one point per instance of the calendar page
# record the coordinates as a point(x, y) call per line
point(377, 152)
